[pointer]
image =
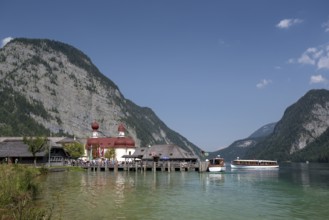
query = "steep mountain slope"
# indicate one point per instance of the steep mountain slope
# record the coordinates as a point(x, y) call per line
point(240, 147)
point(301, 128)
point(302, 134)
point(51, 87)
point(264, 131)
point(317, 151)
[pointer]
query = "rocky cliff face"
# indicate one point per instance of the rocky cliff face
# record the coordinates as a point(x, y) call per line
point(74, 93)
point(300, 135)
point(302, 124)
point(71, 95)
point(313, 127)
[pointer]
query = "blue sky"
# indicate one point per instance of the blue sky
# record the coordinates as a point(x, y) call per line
point(214, 71)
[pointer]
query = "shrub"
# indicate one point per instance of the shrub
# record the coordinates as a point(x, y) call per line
point(18, 191)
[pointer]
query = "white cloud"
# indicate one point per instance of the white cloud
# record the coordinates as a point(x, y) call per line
point(318, 57)
point(323, 62)
point(306, 59)
point(318, 79)
point(263, 83)
point(222, 43)
point(287, 23)
point(5, 41)
point(326, 26)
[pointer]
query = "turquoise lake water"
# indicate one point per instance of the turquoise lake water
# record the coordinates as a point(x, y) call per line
point(294, 191)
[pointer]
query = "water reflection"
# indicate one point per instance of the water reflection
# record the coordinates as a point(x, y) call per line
point(295, 191)
point(216, 177)
point(246, 175)
point(301, 174)
point(306, 175)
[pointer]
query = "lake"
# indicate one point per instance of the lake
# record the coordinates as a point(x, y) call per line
point(294, 191)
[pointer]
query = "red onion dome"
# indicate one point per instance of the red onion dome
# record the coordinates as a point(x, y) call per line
point(121, 128)
point(94, 125)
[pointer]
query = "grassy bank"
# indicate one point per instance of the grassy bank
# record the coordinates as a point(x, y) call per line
point(64, 168)
point(19, 189)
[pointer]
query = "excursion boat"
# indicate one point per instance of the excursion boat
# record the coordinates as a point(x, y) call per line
point(254, 164)
point(216, 165)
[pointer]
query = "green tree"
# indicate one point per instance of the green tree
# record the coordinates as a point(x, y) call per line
point(75, 149)
point(110, 154)
point(36, 145)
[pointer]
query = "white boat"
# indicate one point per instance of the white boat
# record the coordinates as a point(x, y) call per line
point(216, 165)
point(254, 164)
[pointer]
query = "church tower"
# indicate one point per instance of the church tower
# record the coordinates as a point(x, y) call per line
point(95, 127)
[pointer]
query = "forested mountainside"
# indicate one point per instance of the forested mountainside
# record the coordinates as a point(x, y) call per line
point(240, 147)
point(301, 135)
point(303, 128)
point(49, 87)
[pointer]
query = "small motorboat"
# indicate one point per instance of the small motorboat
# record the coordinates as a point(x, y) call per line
point(216, 164)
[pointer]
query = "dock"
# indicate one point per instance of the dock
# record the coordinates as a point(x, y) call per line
point(145, 166)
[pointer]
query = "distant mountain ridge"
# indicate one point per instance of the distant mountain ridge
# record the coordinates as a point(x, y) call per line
point(51, 87)
point(263, 131)
point(301, 135)
point(240, 147)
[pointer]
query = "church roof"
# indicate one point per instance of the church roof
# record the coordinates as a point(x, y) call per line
point(115, 142)
point(121, 141)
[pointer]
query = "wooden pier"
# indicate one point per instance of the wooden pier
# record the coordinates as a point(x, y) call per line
point(144, 166)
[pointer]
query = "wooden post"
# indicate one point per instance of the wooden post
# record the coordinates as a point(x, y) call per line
point(168, 166)
point(203, 166)
point(154, 167)
point(125, 166)
point(116, 166)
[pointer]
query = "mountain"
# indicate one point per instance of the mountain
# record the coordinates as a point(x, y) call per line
point(301, 135)
point(240, 147)
point(264, 131)
point(49, 87)
point(303, 128)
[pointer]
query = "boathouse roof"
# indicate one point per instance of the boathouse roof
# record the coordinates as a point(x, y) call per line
point(15, 147)
point(163, 152)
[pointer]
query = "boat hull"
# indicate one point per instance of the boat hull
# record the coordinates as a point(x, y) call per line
point(254, 167)
point(216, 169)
